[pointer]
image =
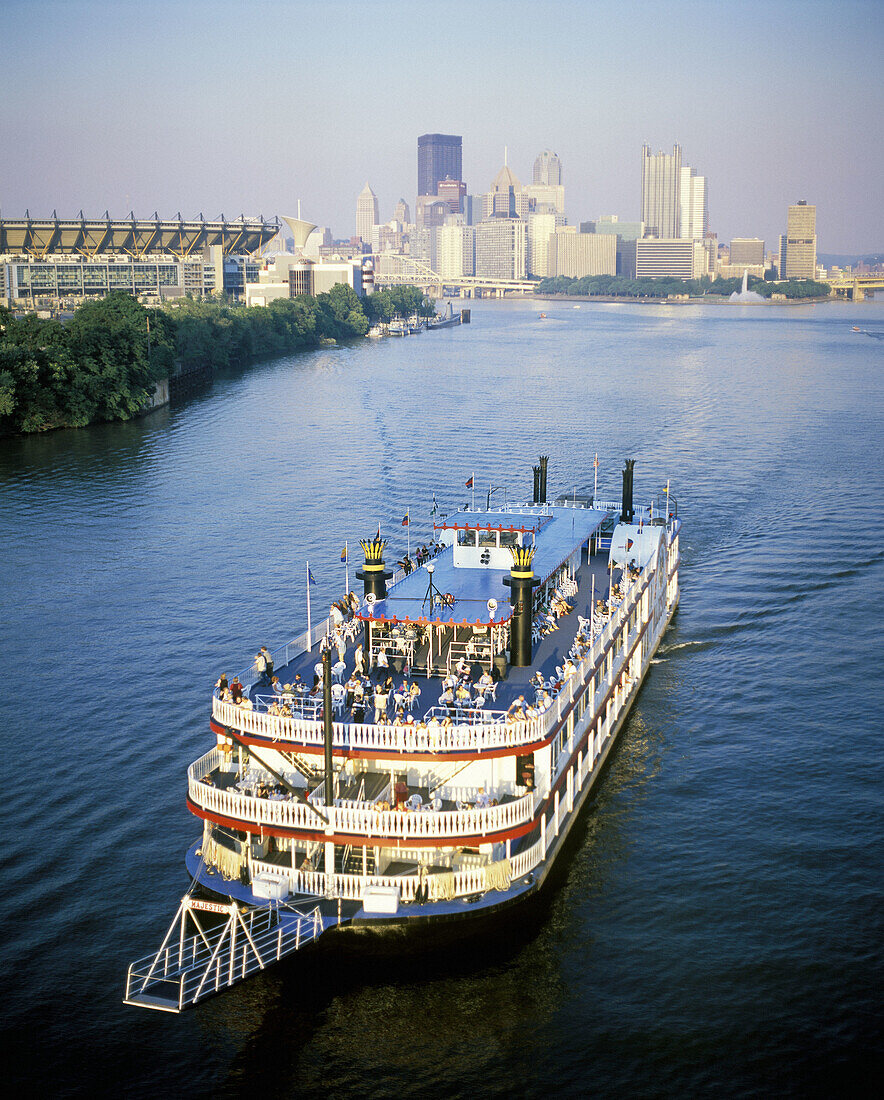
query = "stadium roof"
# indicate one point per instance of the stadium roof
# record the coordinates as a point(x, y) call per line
point(131, 237)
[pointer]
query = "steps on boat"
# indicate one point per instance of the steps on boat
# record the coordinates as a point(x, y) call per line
point(203, 953)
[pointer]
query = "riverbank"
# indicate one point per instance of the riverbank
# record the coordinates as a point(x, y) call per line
point(114, 359)
point(707, 299)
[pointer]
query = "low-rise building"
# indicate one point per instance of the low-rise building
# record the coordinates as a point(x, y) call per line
point(671, 257)
point(579, 254)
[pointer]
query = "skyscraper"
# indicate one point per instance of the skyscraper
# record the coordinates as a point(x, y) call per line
point(402, 214)
point(366, 213)
point(693, 216)
point(438, 156)
point(661, 192)
point(798, 246)
point(548, 169)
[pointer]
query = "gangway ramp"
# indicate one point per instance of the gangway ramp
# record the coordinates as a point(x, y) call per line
point(202, 955)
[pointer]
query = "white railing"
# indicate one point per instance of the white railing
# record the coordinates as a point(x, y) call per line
point(469, 880)
point(459, 737)
point(352, 820)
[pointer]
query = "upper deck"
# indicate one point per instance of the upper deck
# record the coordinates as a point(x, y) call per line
point(472, 569)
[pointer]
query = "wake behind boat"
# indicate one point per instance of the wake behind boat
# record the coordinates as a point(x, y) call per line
point(417, 760)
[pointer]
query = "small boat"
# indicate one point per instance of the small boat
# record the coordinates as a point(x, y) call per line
point(542, 316)
point(517, 644)
point(445, 320)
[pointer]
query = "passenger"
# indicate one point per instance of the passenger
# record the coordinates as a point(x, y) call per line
point(516, 705)
point(235, 690)
point(222, 683)
point(268, 662)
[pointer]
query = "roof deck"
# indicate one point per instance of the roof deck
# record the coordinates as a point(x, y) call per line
point(357, 734)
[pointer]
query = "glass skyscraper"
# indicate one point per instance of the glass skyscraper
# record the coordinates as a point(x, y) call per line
point(438, 156)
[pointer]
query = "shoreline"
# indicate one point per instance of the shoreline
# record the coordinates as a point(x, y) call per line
point(704, 299)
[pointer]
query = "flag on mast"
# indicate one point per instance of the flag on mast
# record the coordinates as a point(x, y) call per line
point(470, 482)
point(310, 580)
point(405, 520)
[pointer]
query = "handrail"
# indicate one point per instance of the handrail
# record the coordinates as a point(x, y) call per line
point(351, 820)
point(367, 737)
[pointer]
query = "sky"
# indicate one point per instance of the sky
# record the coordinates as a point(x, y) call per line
point(246, 107)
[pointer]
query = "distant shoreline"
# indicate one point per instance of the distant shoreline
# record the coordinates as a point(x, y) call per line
point(705, 298)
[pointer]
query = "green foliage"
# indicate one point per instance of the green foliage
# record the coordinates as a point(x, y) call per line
point(103, 364)
point(398, 301)
point(619, 287)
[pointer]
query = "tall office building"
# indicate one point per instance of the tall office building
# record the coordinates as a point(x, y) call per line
point(661, 192)
point(798, 246)
point(453, 192)
point(455, 250)
point(402, 214)
point(693, 215)
point(548, 169)
point(366, 213)
point(438, 156)
point(541, 228)
point(507, 198)
point(502, 248)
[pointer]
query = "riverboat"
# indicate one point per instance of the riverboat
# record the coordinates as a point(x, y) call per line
point(515, 649)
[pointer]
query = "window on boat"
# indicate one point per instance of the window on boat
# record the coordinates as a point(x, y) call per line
point(509, 539)
point(466, 538)
point(487, 538)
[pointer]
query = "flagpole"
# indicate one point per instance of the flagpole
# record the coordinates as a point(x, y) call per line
point(595, 484)
point(347, 567)
point(408, 531)
point(592, 610)
point(309, 620)
point(473, 491)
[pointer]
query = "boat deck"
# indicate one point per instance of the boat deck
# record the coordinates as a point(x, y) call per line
point(550, 652)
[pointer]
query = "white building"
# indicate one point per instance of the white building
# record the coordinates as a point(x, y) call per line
point(546, 197)
point(541, 228)
point(455, 251)
point(693, 218)
point(671, 257)
point(548, 168)
point(502, 248)
point(366, 213)
point(578, 254)
point(661, 183)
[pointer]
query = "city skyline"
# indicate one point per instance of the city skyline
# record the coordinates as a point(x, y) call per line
point(765, 127)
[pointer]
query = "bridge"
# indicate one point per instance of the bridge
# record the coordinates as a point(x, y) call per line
point(395, 270)
point(134, 237)
point(856, 287)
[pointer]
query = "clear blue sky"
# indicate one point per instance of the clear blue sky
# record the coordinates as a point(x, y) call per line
point(248, 106)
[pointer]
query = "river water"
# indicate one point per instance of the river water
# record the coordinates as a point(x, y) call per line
point(719, 926)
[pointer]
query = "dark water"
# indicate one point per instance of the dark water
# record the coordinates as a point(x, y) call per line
point(719, 927)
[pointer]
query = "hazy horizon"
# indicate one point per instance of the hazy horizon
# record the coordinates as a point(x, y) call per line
point(228, 108)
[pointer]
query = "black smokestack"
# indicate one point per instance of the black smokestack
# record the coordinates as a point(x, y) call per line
point(544, 459)
point(536, 484)
point(627, 513)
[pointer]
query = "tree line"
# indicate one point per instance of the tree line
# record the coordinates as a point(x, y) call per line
point(104, 362)
point(618, 286)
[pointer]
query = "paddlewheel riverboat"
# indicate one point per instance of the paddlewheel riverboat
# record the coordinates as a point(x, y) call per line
point(515, 652)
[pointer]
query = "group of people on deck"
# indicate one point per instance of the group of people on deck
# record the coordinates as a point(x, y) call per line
point(421, 554)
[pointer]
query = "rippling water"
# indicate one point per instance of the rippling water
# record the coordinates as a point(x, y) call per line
point(718, 929)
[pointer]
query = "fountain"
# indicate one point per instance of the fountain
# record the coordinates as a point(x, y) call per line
point(746, 296)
